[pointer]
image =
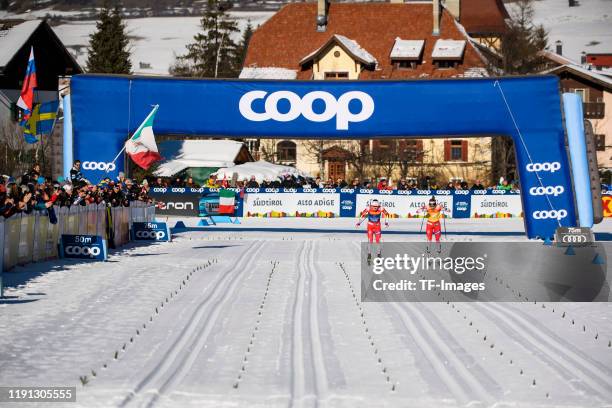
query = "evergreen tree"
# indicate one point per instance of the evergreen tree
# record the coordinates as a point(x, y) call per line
point(523, 42)
point(520, 54)
point(213, 53)
point(109, 51)
point(244, 43)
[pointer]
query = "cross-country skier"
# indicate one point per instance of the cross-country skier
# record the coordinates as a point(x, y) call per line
point(374, 213)
point(433, 213)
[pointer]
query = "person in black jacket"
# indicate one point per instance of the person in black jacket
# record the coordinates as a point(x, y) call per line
point(76, 177)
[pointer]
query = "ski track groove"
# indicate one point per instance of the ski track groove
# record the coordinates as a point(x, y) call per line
point(425, 344)
point(573, 365)
point(181, 348)
point(306, 270)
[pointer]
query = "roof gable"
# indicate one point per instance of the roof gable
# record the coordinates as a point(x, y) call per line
point(351, 47)
point(13, 39)
point(290, 35)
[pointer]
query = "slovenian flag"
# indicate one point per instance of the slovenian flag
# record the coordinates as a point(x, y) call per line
point(226, 201)
point(26, 98)
point(142, 147)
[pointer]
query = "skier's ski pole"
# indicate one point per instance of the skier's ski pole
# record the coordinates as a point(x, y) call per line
point(422, 220)
point(445, 235)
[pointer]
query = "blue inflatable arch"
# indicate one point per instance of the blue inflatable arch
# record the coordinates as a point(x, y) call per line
point(105, 109)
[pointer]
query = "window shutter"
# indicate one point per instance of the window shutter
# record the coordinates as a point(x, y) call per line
point(447, 150)
point(464, 150)
point(419, 151)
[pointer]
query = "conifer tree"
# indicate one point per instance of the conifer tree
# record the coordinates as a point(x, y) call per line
point(213, 54)
point(109, 51)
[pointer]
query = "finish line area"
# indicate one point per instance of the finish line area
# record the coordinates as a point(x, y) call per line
point(469, 229)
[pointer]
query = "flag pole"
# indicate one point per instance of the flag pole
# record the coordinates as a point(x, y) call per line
point(155, 107)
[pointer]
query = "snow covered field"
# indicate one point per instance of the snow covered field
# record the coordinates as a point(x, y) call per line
point(587, 27)
point(255, 318)
point(155, 40)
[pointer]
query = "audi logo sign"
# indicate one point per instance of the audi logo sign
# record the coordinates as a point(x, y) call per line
point(574, 236)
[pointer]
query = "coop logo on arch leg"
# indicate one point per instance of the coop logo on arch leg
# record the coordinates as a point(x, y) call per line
point(303, 106)
point(549, 214)
point(549, 167)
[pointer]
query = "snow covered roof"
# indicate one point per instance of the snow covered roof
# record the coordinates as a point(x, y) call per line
point(448, 49)
point(475, 72)
point(407, 49)
point(583, 72)
point(350, 46)
point(262, 170)
point(182, 154)
point(267, 73)
point(14, 38)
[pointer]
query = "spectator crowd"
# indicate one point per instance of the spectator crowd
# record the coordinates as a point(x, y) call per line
point(292, 181)
point(35, 192)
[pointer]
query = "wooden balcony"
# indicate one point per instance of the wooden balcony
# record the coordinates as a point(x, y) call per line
point(594, 110)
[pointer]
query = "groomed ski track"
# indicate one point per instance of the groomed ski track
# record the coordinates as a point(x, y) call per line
point(230, 319)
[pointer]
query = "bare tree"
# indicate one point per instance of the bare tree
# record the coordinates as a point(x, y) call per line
point(15, 154)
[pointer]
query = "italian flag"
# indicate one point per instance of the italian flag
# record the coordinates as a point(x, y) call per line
point(226, 201)
point(142, 147)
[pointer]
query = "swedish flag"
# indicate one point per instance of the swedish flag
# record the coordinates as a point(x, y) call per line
point(42, 119)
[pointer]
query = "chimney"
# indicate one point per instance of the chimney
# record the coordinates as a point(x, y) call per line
point(323, 7)
point(453, 7)
point(559, 47)
point(583, 58)
point(436, 17)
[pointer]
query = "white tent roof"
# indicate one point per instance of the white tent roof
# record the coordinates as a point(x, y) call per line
point(13, 39)
point(182, 154)
point(262, 170)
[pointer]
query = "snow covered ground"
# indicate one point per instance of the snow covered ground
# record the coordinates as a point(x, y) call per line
point(155, 40)
point(256, 318)
point(587, 27)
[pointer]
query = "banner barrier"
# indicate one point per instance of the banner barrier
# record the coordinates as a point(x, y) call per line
point(90, 247)
point(341, 202)
point(151, 231)
point(26, 238)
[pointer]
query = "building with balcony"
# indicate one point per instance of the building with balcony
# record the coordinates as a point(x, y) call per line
point(595, 90)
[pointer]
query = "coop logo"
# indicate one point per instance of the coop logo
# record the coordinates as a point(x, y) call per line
point(547, 167)
point(89, 165)
point(150, 234)
point(92, 252)
point(548, 190)
point(552, 214)
point(338, 108)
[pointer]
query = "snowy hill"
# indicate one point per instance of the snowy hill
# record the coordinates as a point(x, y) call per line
point(587, 27)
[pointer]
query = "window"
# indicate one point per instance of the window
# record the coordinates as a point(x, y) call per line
point(446, 64)
point(336, 75)
point(286, 151)
point(582, 93)
point(413, 151)
point(406, 64)
point(455, 150)
point(600, 143)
